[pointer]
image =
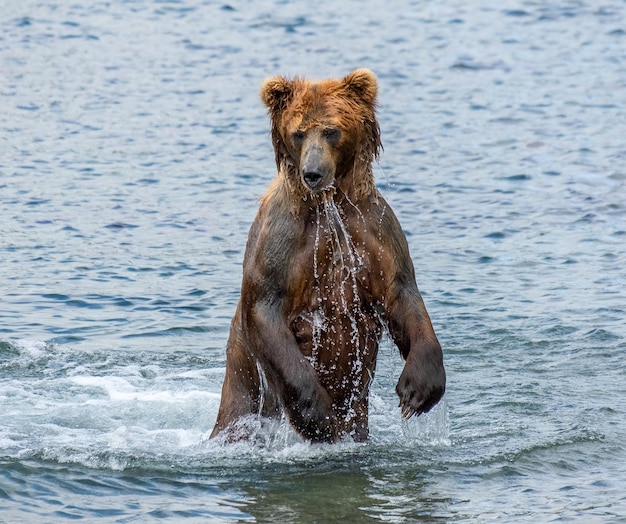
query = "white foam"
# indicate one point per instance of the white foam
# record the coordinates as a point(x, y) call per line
point(69, 412)
point(32, 349)
point(121, 389)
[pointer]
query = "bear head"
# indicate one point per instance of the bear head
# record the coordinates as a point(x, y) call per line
point(325, 134)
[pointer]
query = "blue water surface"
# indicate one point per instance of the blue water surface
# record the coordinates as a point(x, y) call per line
point(133, 151)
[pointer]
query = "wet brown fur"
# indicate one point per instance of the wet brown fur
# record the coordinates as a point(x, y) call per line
point(326, 271)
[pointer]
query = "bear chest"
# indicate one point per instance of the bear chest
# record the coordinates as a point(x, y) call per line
point(334, 314)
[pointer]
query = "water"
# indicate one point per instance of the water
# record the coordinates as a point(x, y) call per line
point(133, 149)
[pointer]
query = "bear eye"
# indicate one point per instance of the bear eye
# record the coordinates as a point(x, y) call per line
point(331, 134)
point(298, 136)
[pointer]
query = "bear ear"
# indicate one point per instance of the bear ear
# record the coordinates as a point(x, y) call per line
point(276, 92)
point(362, 83)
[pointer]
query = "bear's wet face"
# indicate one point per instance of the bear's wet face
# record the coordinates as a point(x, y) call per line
point(318, 155)
point(324, 132)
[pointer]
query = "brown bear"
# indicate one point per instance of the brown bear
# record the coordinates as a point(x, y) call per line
point(326, 271)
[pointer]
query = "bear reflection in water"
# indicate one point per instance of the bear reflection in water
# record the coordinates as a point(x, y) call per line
point(326, 270)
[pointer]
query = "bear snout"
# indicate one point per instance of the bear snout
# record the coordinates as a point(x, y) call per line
point(317, 167)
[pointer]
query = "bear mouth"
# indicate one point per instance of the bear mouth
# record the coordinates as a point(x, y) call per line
point(319, 190)
point(317, 182)
point(313, 179)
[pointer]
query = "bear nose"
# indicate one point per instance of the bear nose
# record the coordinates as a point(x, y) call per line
point(312, 178)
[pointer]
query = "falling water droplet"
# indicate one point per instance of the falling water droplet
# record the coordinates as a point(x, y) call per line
point(336, 263)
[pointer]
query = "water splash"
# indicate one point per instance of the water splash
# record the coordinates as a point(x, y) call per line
point(432, 429)
point(339, 269)
point(263, 386)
